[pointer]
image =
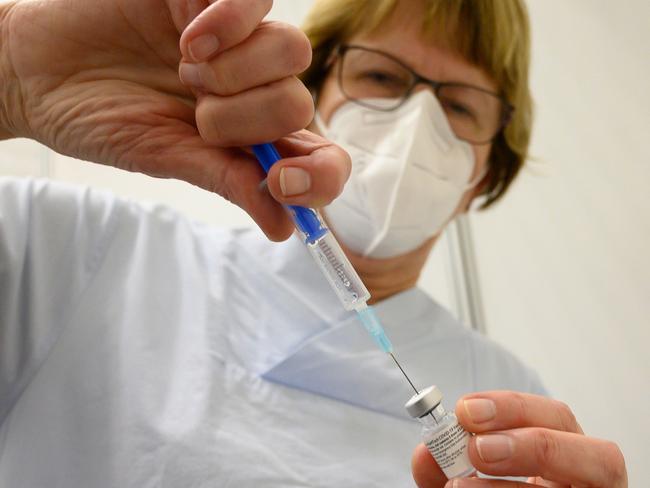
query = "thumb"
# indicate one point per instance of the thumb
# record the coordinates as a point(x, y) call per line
point(325, 167)
point(426, 473)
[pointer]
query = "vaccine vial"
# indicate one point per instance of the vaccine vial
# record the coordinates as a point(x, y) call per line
point(446, 440)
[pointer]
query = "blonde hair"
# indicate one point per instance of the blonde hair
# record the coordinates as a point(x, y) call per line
point(491, 34)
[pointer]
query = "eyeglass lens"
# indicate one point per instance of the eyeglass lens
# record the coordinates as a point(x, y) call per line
point(474, 115)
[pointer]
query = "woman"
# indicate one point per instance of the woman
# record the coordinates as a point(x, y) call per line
point(181, 355)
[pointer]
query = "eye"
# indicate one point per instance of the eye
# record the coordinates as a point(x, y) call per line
point(383, 78)
point(458, 110)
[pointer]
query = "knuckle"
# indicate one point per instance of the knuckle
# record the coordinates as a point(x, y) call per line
point(346, 165)
point(304, 54)
point(615, 464)
point(567, 418)
point(265, 5)
point(220, 78)
point(304, 106)
point(334, 167)
point(519, 409)
point(347, 162)
point(296, 105)
point(296, 48)
point(214, 181)
point(232, 16)
point(330, 189)
point(207, 122)
point(546, 448)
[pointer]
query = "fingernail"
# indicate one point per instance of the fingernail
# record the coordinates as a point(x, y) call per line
point(480, 409)
point(494, 447)
point(294, 181)
point(189, 74)
point(203, 47)
point(459, 483)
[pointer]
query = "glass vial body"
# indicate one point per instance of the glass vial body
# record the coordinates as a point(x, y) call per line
point(447, 442)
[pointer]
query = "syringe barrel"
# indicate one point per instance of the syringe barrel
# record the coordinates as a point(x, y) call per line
point(339, 272)
point(321, 243)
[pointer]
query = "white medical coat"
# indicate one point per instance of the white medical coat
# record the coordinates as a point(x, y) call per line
point(139, 349)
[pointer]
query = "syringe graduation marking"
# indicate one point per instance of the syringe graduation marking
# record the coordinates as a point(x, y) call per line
point(338, 266)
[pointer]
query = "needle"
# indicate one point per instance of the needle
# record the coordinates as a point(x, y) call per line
point(404, 373)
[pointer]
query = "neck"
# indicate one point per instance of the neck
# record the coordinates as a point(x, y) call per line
point(387, 277)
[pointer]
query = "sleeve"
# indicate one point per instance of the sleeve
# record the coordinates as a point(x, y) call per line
point(52, 238)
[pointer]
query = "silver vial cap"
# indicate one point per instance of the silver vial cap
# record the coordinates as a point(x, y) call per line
point(425, 401)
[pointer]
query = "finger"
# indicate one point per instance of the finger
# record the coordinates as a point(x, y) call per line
point(539, 481)
point(500, 483)
point(313, 176)
point(563, 457)
point(484, 483)
point(273, 52)
point(184, 11)
point(263, 114)
point(222, 25)
point(502, 410)
point(426, 473)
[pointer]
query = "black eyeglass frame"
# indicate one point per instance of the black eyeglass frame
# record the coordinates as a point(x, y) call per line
point(418, 79)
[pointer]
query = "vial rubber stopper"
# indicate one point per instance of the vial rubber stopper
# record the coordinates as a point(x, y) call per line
point(421, 404)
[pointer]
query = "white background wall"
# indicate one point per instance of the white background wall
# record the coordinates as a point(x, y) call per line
point(564, 261)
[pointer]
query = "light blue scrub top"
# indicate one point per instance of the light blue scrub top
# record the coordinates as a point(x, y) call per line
point(139, 349)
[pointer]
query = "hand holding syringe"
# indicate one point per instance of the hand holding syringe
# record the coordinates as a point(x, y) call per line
point(332, 261)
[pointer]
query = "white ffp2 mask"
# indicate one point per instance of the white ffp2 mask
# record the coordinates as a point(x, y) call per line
point(409, 173)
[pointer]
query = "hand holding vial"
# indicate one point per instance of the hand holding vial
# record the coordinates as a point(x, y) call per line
point(525, 435)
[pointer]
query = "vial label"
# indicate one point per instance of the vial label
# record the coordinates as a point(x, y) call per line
point(449, 448)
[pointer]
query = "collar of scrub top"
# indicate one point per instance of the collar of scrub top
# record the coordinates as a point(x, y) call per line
point(336, 358)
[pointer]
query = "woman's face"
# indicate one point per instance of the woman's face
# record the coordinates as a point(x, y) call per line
point(401, 38)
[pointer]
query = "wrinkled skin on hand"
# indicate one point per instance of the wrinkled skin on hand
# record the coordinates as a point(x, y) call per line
point(99, 81)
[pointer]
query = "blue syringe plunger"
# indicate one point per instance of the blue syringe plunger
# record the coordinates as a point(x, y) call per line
point(306, 220)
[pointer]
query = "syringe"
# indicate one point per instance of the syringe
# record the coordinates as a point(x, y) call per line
point(332, 261)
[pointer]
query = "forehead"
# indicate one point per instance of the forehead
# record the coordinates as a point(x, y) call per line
point(402, 36)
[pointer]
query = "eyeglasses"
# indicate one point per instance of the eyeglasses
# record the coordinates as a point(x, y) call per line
point(475, 115)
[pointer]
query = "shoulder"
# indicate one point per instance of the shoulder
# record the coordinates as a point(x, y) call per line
point(79, 225)
point(52, 195)
point(60, 203)
point(54, 209)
